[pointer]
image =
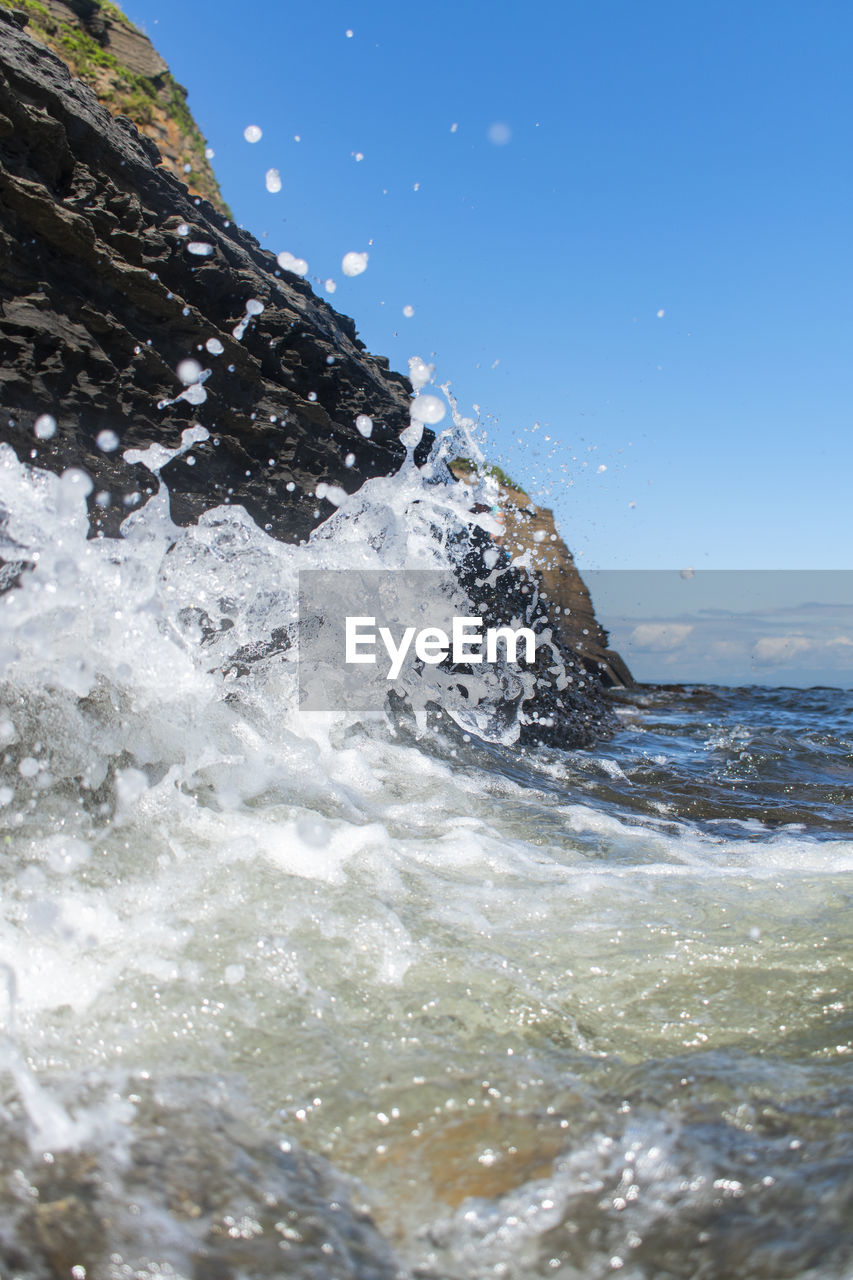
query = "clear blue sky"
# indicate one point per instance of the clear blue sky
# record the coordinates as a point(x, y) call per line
point(690, 158)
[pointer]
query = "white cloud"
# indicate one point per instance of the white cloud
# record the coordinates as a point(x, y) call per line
point(659, 637)
point(776, 649)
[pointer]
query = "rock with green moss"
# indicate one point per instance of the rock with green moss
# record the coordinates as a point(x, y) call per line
point(103, 48)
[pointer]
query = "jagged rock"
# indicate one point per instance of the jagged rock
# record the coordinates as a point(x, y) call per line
point(529, 532)
point(104, 49)
point(101, 298)
point(530, 527)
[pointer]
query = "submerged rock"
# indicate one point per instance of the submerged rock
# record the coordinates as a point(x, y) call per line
point(167, 1180)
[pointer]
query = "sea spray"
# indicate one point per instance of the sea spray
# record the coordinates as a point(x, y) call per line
point(545, 1005)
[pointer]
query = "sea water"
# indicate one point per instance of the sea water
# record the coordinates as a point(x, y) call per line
point(322, 995)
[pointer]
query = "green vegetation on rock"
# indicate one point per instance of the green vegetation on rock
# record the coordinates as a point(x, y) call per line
point(464, 466)
point(144, 99)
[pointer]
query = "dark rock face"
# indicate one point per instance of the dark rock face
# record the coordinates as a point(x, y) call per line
point(112, 274)
point(101, 299)
point(108, 53)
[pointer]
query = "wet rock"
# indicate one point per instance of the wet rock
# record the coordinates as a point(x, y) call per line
point(529, 531)
point(101, 298)
point(681, 1192)
point(529, 527)
point(178, 1183)
point(114, 58)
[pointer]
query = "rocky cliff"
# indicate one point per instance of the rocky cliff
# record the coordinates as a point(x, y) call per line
point(112, 274)
point(116, 60)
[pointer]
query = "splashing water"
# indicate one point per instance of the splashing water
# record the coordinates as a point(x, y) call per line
point(428, 409)
point(420, 373)
point(254, 307)
point(563, 1013)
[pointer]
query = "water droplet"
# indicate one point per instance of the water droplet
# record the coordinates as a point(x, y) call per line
point(252, 133)
point(408, 311)
point(289, 262)
point(45, 426)
point(428, 409)
point(364, 424)
point(214, 346)
point(189, 371)
point(499, 134)
point(200, 249)
point(420, 372)
point(332, 493)
point(352, 263)
point(107, 441)
point(273, 180)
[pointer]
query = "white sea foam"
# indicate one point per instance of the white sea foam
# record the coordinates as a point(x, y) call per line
point(199, 877)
